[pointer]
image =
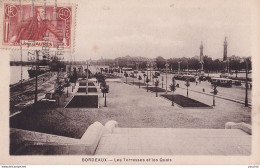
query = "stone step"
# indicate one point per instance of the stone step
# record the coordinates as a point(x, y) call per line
point(37, 137)
point(174, 141)
point(49, 149)
point(179, 132)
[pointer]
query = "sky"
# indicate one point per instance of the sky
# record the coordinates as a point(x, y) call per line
point(167, 28)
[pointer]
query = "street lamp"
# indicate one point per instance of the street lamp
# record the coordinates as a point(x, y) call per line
point(87, 80)
point(166, 65)
point(150, 71)
point(147, 66)
point(187, 67)
point(173, 88)
point(187, 84)
point(156, 85)
point(214, 85)
point(246, 97)
point(147, 80)
point(162, 81)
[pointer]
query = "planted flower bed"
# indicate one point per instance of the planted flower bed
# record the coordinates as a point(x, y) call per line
point(185, 101)
point(83, 101)
point(84, 84)
point(153, 89)
point(83, 89)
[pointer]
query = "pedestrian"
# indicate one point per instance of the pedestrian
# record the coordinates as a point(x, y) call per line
point(196, 82)
point(203, 90)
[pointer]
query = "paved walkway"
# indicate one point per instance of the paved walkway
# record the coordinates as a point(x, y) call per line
point(234, 93)
point(174, 141)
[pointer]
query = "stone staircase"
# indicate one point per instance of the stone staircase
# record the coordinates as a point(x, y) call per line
point(113, 140)
point(174, 141)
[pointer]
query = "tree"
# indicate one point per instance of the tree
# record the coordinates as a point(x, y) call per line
point(139, 78)
point(173, 88)
point(156, 85)
point(208, 62)
point(160, 62)
point(126, 75)
point(105, 90)
point(187, 84)
point(194, 63)
point(100, 78)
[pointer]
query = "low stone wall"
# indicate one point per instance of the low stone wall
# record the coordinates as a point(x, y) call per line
point(87, 145)
point(243, 126)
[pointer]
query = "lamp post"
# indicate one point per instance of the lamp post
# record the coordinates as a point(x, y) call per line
point(156, 85)
point(214, 85)
point(187, 67)
point(36, 77)
point(87, 80)
point(187, 84)
point(166, 65)
point(162, 81)
point(150, 71)
point(147, 80)
point(246, 97)
point(173, 88)
point(228, 70)
point(139, 78)
point(147, 66)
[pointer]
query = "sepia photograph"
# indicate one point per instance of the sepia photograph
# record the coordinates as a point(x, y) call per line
point(122, 80)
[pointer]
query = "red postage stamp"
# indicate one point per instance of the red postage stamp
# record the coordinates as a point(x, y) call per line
point(37, 25)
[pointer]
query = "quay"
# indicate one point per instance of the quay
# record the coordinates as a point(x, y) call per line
point(23, 94)
point(59, 130)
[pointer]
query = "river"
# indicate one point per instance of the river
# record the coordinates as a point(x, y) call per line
point(15, 73)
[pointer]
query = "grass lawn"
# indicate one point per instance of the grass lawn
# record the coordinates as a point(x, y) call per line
point(137, 83)
point(83, 101)
point(91, 90)
point(84, 84)
point(185, 101)
point(130, 107)
point(51, 121)
point(153, 89)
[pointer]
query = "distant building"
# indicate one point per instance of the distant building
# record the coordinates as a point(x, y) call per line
point(81, 69)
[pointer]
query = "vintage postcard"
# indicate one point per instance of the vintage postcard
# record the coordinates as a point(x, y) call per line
point(129, 82)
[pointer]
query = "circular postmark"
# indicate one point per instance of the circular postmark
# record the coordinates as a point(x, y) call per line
point(11, 10)
point(64, 13)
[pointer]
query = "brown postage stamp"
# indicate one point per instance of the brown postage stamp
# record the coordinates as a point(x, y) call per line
point(37, 24)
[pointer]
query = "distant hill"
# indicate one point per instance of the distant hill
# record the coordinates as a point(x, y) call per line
point(134, 59)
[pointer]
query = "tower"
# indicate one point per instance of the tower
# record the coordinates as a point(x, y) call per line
point(201, 56)
point(225, 50)
point(201, 52)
